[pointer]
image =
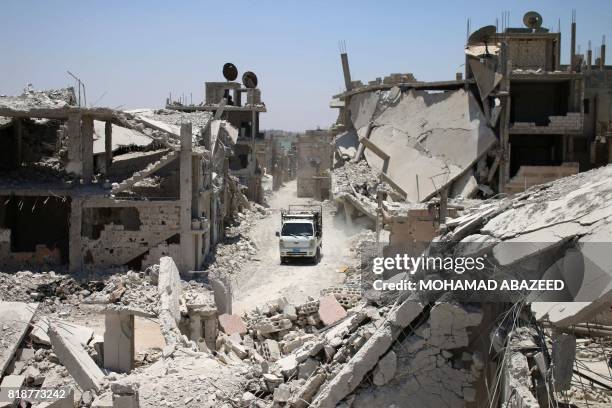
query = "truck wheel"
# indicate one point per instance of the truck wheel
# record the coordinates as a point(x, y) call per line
point(317, 257)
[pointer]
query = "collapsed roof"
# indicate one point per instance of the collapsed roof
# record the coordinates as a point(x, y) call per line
point(422, 141)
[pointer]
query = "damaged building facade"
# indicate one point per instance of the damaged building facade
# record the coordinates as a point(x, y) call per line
point(240, 106)
point(314, 161)
point(96, 188)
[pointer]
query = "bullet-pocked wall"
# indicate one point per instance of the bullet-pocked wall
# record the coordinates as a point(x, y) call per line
point(116, 236)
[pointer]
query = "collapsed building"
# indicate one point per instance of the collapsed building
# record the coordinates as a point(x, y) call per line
point(518, 118)
point(95, 188)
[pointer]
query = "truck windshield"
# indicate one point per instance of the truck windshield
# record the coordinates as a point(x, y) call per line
point(301, 229)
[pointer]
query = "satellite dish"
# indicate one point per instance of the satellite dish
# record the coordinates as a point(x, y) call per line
point(532, 20)
point(230, 72)
point(249, 79)
point(482, 35)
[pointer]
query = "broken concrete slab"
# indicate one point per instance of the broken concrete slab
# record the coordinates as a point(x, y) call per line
point(465, 186)
point(449, 323)
point(272, 381)
point(10, 382)
point(103, 401)
point(15, 319)
point(282, 393)
point(169, 287)
point(76, 360)
point(431, 139)
point(39, 333)
point(353, 372)
point(232, 324)
point(121, 137)
point(287, 366)
point(385, 369)
point(486, 76)
point(330, 310)
point(307, 368)
point(304, 396)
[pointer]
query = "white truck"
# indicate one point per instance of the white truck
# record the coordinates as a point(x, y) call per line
point(301, 233)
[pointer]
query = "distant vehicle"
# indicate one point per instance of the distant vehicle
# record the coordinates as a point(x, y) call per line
point(301, 233)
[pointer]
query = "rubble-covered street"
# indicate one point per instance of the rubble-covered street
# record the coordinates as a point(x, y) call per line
point(442, 243)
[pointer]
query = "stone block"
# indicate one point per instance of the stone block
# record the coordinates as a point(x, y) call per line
point(232, 324)
point(330, 310)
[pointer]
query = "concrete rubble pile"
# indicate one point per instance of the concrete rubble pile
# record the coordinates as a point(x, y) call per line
point(360, 185)
point(564, 228)
point(128, 291)
point(341, 349)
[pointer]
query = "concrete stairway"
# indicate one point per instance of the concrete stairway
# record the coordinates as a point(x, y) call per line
point(152, 244)
point(151, 168)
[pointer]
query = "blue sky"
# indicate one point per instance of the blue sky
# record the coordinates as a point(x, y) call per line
point(137, 52)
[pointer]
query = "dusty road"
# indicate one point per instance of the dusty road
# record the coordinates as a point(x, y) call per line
point(266, 279)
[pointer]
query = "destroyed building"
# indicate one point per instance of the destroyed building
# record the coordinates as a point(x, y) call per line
point(314, 161)
point(111, 188)
point(252, 151)
point(522, 118)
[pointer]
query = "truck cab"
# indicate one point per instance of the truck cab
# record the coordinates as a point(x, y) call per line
point(300, 235)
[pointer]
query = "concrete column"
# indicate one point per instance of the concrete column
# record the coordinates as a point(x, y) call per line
point(87, 133)
point(119, 342)
point(504, 120)
point(108, 144)
point(195, 327)
point(589, 57)
point(73, 129)
point(74, 244)
point(573, 47)
point(18, 129)
point(187, 261)
point(211, 330)
point(346, 71)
